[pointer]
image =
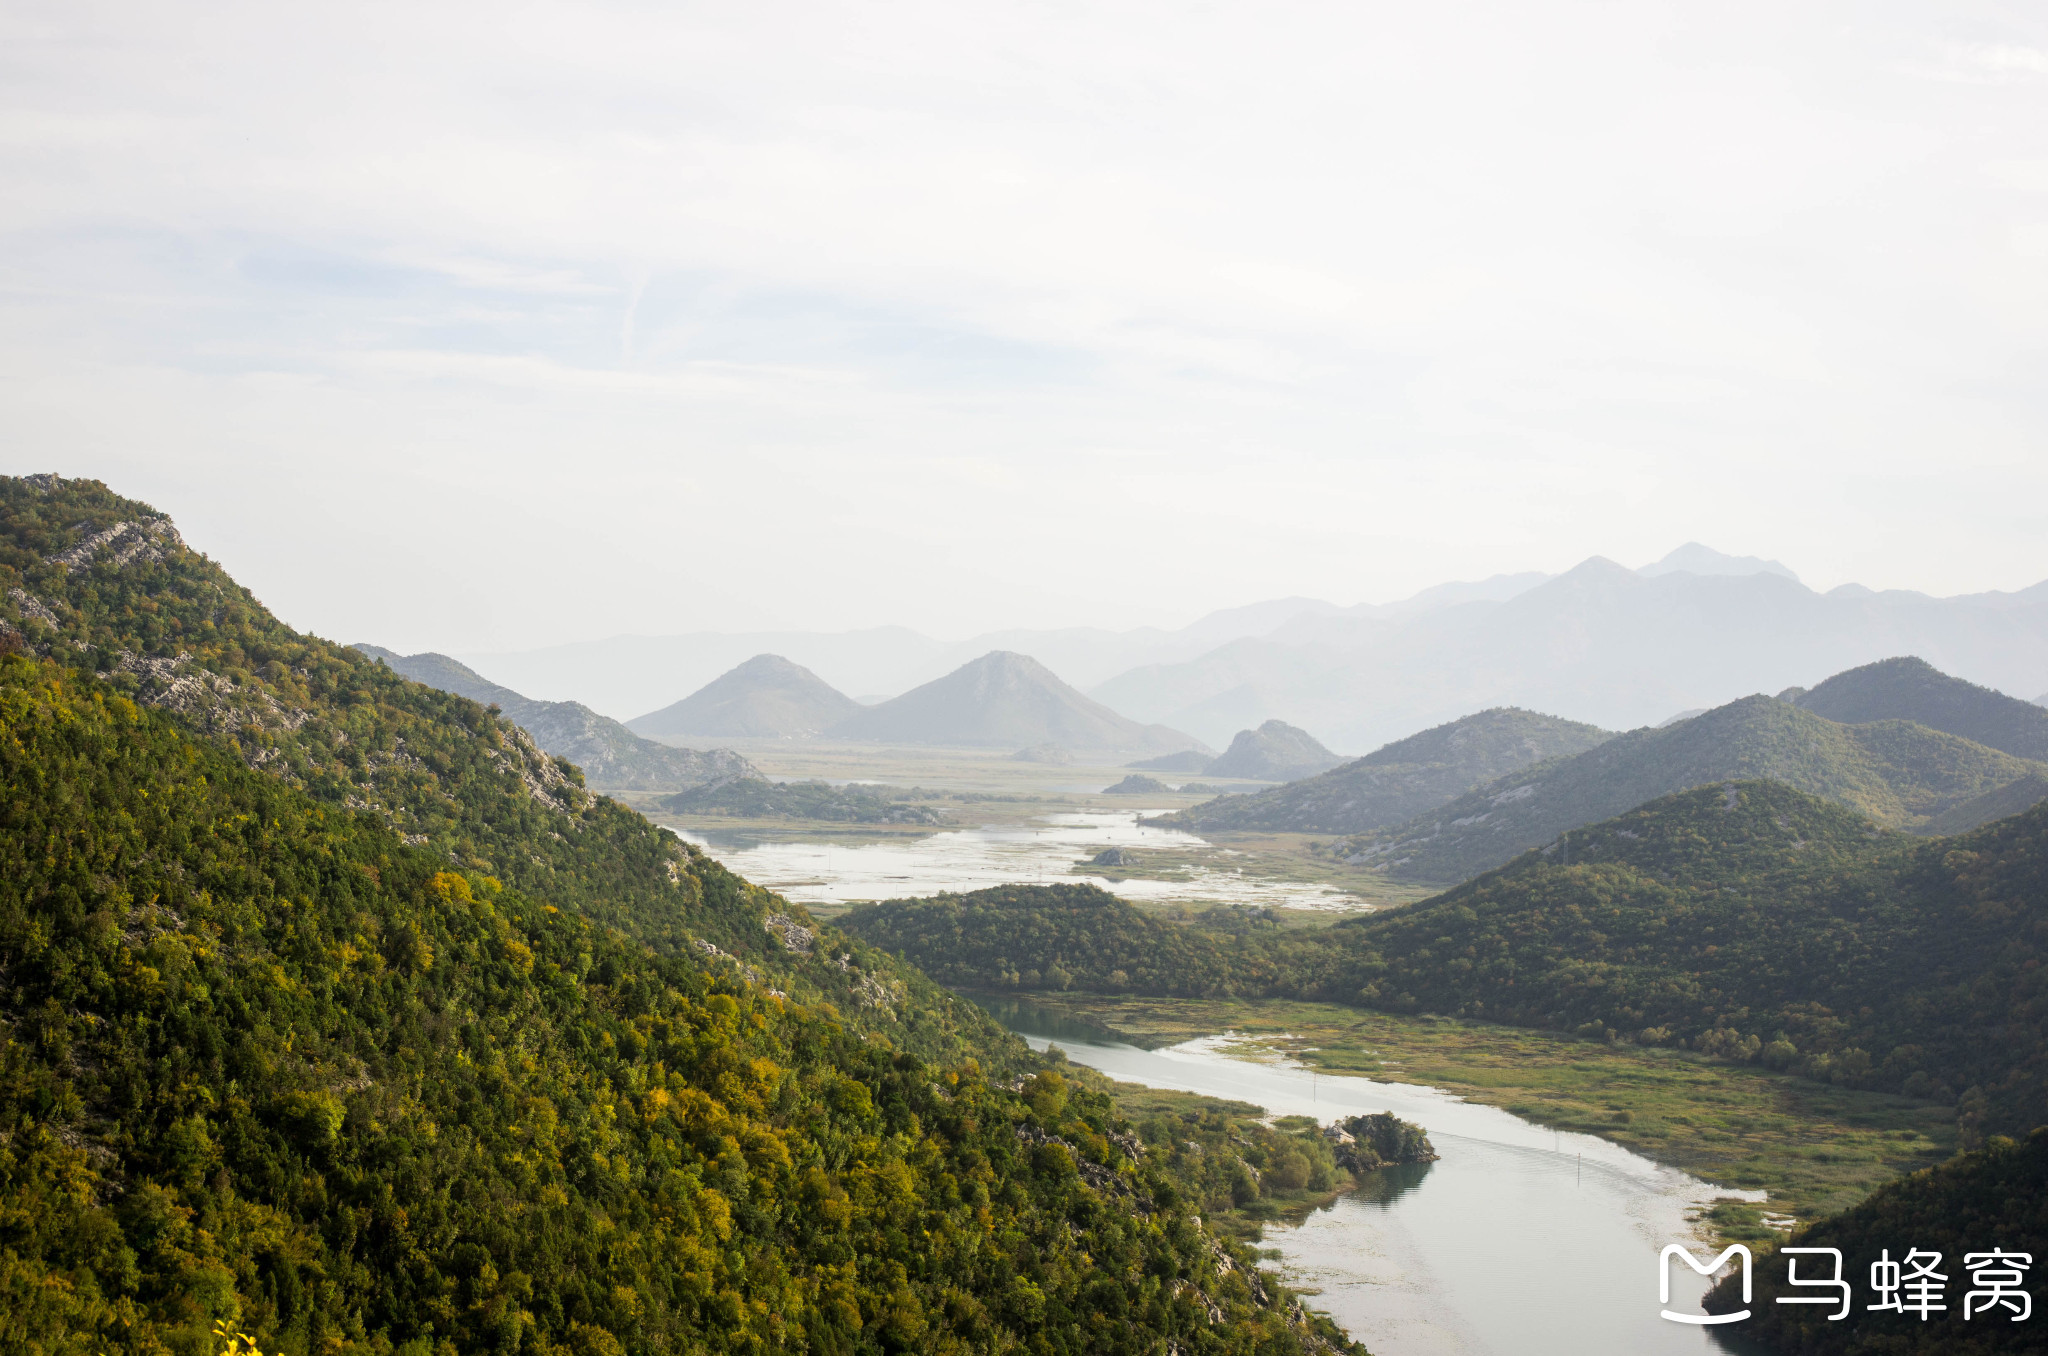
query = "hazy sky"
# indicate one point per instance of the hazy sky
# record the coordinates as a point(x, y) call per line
point(485, 326)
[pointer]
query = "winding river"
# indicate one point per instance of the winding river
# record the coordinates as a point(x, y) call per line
point(1518, 1241)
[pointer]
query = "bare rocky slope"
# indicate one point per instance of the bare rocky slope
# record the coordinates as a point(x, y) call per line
point(612, 757)
point(766, 697)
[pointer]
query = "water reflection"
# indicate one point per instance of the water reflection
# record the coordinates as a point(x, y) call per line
point(1389, 1185)
point(1519, 1241)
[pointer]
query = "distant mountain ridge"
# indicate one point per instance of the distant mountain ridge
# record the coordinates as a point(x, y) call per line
point(612, 757)
point(1900, 774)
point(1275, 752)
point(1005, 700)
point(1910, 688)
point(1402, 779)
point(1601, 643)
point(766, 696)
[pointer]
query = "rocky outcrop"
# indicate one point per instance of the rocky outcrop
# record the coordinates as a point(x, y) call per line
point(611, 756)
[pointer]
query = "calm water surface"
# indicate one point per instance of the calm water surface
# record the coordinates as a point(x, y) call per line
point(1518, 1241)
point(810, 871)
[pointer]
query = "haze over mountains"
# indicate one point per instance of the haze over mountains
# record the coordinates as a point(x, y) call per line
point(765, 697)
point(1899, 773)
point(1005, 700)
point(612, 757)
point(1601, 643)
point(1402, 779)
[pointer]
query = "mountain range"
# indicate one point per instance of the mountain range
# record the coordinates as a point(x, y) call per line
point(1006, 700)
point(1402, 779)
point(1899, 773)
point(611, 756)
point(1601, 643)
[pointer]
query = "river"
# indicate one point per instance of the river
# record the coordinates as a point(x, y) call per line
point(1518, 1241)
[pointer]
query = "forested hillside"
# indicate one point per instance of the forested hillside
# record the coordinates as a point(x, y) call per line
point(1900, 774)
point(339, 1013)
point(1910, 688)
point(1746, 920)
point(267, 1064)
point(1993, 1198)
point(1402, 780)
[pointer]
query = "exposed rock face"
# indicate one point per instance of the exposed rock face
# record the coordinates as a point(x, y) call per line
point(122, 544)
point(1275, 752)
point(768, 696)
point(1006, 700)
point(1115, 856)
point(612, 757)
point(110, 582)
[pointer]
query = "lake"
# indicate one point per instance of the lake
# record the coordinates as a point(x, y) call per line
point(815, 871)
point(1518, 1241)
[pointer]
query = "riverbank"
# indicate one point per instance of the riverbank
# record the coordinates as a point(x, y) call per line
point(1815, 1149)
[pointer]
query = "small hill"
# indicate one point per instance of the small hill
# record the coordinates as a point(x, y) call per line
point(1006, 700)
point(1900, 774)
point(1275, 752)
point(612, 757)
point(1050, 754)
point(1187, 760)
point(1402, 780)
point(1137, 784)
point(758, 798)
point(766, 697)
point(1913, 689)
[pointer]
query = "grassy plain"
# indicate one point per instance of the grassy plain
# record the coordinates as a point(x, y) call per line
point(1815, 1148)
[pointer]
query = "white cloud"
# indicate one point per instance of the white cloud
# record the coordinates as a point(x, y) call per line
point(1358, 297)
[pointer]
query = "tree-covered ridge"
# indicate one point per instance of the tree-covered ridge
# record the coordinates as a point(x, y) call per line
point(759, 798)
point(1746, 920)
point(262, 1061)
point(106, 586)
point(1910, 688)
point(1406, 778)
point(1993, 1198)
point(1898, 773)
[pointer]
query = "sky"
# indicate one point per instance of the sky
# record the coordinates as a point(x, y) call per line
point(483, 327)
